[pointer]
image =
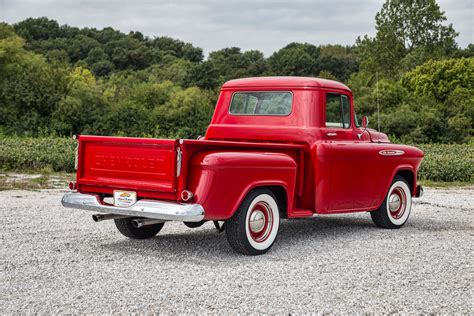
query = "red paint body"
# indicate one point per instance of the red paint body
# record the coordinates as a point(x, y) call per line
point(310, 171)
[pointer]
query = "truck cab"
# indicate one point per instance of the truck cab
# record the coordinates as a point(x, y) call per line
point(276, 147)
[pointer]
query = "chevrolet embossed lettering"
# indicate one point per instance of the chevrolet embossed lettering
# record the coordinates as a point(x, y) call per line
point(389, 152)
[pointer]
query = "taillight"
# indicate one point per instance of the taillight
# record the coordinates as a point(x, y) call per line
point(186, 195)
point(72, 186)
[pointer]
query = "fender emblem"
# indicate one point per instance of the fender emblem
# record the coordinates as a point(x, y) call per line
point(391, 152)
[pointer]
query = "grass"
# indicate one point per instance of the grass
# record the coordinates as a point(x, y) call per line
point(34, 181)
point(441, 184)
point(447, 163)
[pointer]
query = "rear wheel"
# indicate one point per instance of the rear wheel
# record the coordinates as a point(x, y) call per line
point(396, 208)
point(194, 224)
point(254, 227)
point(126, 228)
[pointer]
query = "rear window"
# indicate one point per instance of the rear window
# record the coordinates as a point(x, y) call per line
point(261, 103)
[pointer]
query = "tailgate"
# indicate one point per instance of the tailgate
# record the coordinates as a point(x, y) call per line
point(127, 163)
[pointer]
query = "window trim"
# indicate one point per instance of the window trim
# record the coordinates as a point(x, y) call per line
point(341, 115)
point(263, 91)
point(342, 111)
point(356, 120)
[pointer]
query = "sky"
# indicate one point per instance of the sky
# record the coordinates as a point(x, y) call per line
point(215, 24)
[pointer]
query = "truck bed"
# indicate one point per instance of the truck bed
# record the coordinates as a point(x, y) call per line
point(154, 168)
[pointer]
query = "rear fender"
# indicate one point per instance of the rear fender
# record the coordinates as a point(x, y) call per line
point(221, 180)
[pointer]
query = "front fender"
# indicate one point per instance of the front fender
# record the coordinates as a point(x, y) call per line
point(409, 161)
point(221, 180)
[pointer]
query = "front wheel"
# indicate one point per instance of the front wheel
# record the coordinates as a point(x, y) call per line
point(254, 227)
point(396, 208)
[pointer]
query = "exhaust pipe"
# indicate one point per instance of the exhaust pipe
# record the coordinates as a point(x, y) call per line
point(141, 222)
point(103, 217)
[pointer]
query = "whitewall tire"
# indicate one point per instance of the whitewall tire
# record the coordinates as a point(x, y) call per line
point(254, 227)
point(396, 208)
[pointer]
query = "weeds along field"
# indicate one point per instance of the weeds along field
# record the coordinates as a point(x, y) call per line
point(442, 163)
point(37, 154)
point(447, 162)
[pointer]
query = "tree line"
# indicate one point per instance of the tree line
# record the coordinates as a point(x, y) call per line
point(62, 80)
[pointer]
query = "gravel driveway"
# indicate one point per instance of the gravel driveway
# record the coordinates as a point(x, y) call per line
point(57, 260)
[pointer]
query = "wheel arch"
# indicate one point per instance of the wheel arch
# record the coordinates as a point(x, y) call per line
point(406, 172)
point(409, 177)
point(280, 192)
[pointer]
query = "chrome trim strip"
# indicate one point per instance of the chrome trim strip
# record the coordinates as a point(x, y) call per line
point(179, 154)
point(76, 155)
point(167, 211)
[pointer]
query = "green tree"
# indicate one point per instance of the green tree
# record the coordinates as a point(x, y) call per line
point(186, 114)
point(78, 47)
point(295, 59)
point(439, 78)
point(177, 48)
point(176, 72)
point(33, 29)
point(103, 36)
point(129, 53)
point(405, 27)
point(337, 61)
point(82, 107)
point(30, 88)
point(203, 75)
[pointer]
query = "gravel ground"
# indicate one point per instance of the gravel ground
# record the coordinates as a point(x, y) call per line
point(57, 260)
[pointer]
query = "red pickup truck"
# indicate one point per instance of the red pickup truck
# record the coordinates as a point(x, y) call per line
point(277, 147)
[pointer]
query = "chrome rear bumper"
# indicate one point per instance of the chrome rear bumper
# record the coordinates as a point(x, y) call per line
point(167, 211)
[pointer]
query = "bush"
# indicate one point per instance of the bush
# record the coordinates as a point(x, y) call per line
point(27, 153)
point(447, 162)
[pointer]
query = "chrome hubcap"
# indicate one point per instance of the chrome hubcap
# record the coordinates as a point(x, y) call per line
point(394, 202)
point(257, 221)
point(260, 221)
point(397, 203)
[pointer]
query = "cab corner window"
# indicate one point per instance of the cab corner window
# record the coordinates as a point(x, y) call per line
point(261, 103)
point(338, 113)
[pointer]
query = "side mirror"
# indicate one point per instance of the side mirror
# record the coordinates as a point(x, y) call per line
point(365, 122)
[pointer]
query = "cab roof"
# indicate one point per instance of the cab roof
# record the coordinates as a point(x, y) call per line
point(284, 82)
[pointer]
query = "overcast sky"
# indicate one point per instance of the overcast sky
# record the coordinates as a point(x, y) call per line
point(215, 24)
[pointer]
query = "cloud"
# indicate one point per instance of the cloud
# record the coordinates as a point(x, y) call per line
point(214, 24)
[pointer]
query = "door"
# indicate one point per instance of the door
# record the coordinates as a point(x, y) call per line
point(351, 155)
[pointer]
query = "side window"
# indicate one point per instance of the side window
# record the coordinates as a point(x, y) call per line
point(333, 110)
point(338, 113)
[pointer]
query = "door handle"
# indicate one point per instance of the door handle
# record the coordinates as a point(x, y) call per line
point(331, 134)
